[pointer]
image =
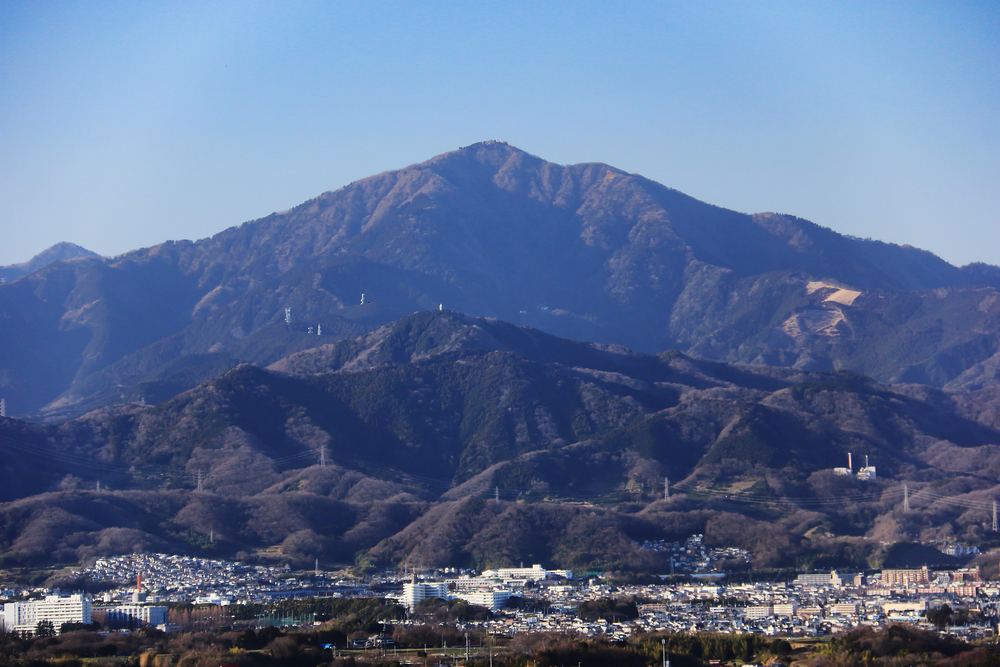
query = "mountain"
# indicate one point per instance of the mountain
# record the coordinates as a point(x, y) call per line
point(56, 253)
point(445, 439)
point(583, 251)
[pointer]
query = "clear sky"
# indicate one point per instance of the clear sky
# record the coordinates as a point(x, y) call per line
point(124, 124)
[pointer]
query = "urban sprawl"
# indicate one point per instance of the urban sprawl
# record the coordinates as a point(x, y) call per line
point(811, 604)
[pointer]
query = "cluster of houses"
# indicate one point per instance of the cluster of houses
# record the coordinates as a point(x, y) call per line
point(691, 556)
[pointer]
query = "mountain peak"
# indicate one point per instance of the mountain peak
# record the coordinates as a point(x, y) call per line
point(55, 253)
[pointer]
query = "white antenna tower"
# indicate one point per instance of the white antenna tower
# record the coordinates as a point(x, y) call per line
point(3, 407)
point(496, 493)
point(906, 498)
point(211, 535)
point(199, 479)
point(288, 315)
point(322, 455)
point(362, 298)
point(319, 329)
point(666, 488)
point(996, 528)
point(98, 486)
point(317, 567)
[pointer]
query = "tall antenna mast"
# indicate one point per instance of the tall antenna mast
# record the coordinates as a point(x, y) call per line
point(322, 455)
point(3, 407)
point(288, 315)
point(996, 528)
point(496, 493)
point(199, 479)
point(666, 488)
point(317, 567)
point(906, 498)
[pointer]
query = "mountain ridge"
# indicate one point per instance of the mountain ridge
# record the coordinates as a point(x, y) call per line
point(581, 251)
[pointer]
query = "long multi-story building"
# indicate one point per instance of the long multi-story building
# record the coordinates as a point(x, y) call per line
point(758, 612)
point(25, 616)
point(831, 578)
point(533, 573)
point(905, 577)
point(493, 600)
point(127, 615)
point(414, 593)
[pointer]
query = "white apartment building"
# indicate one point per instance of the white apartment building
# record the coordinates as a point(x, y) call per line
point(759, 612)
point(844, 609)
point(414, 593)
point(121, 615)
point(492, 600)
point(785, 609)
point(25, 616)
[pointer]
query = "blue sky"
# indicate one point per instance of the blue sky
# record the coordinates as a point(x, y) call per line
point(126, 124)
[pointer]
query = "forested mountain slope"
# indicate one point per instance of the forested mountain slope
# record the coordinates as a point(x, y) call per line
point(393, 447)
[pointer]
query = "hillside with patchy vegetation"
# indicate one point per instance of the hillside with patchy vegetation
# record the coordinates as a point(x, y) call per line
point(448, 440)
